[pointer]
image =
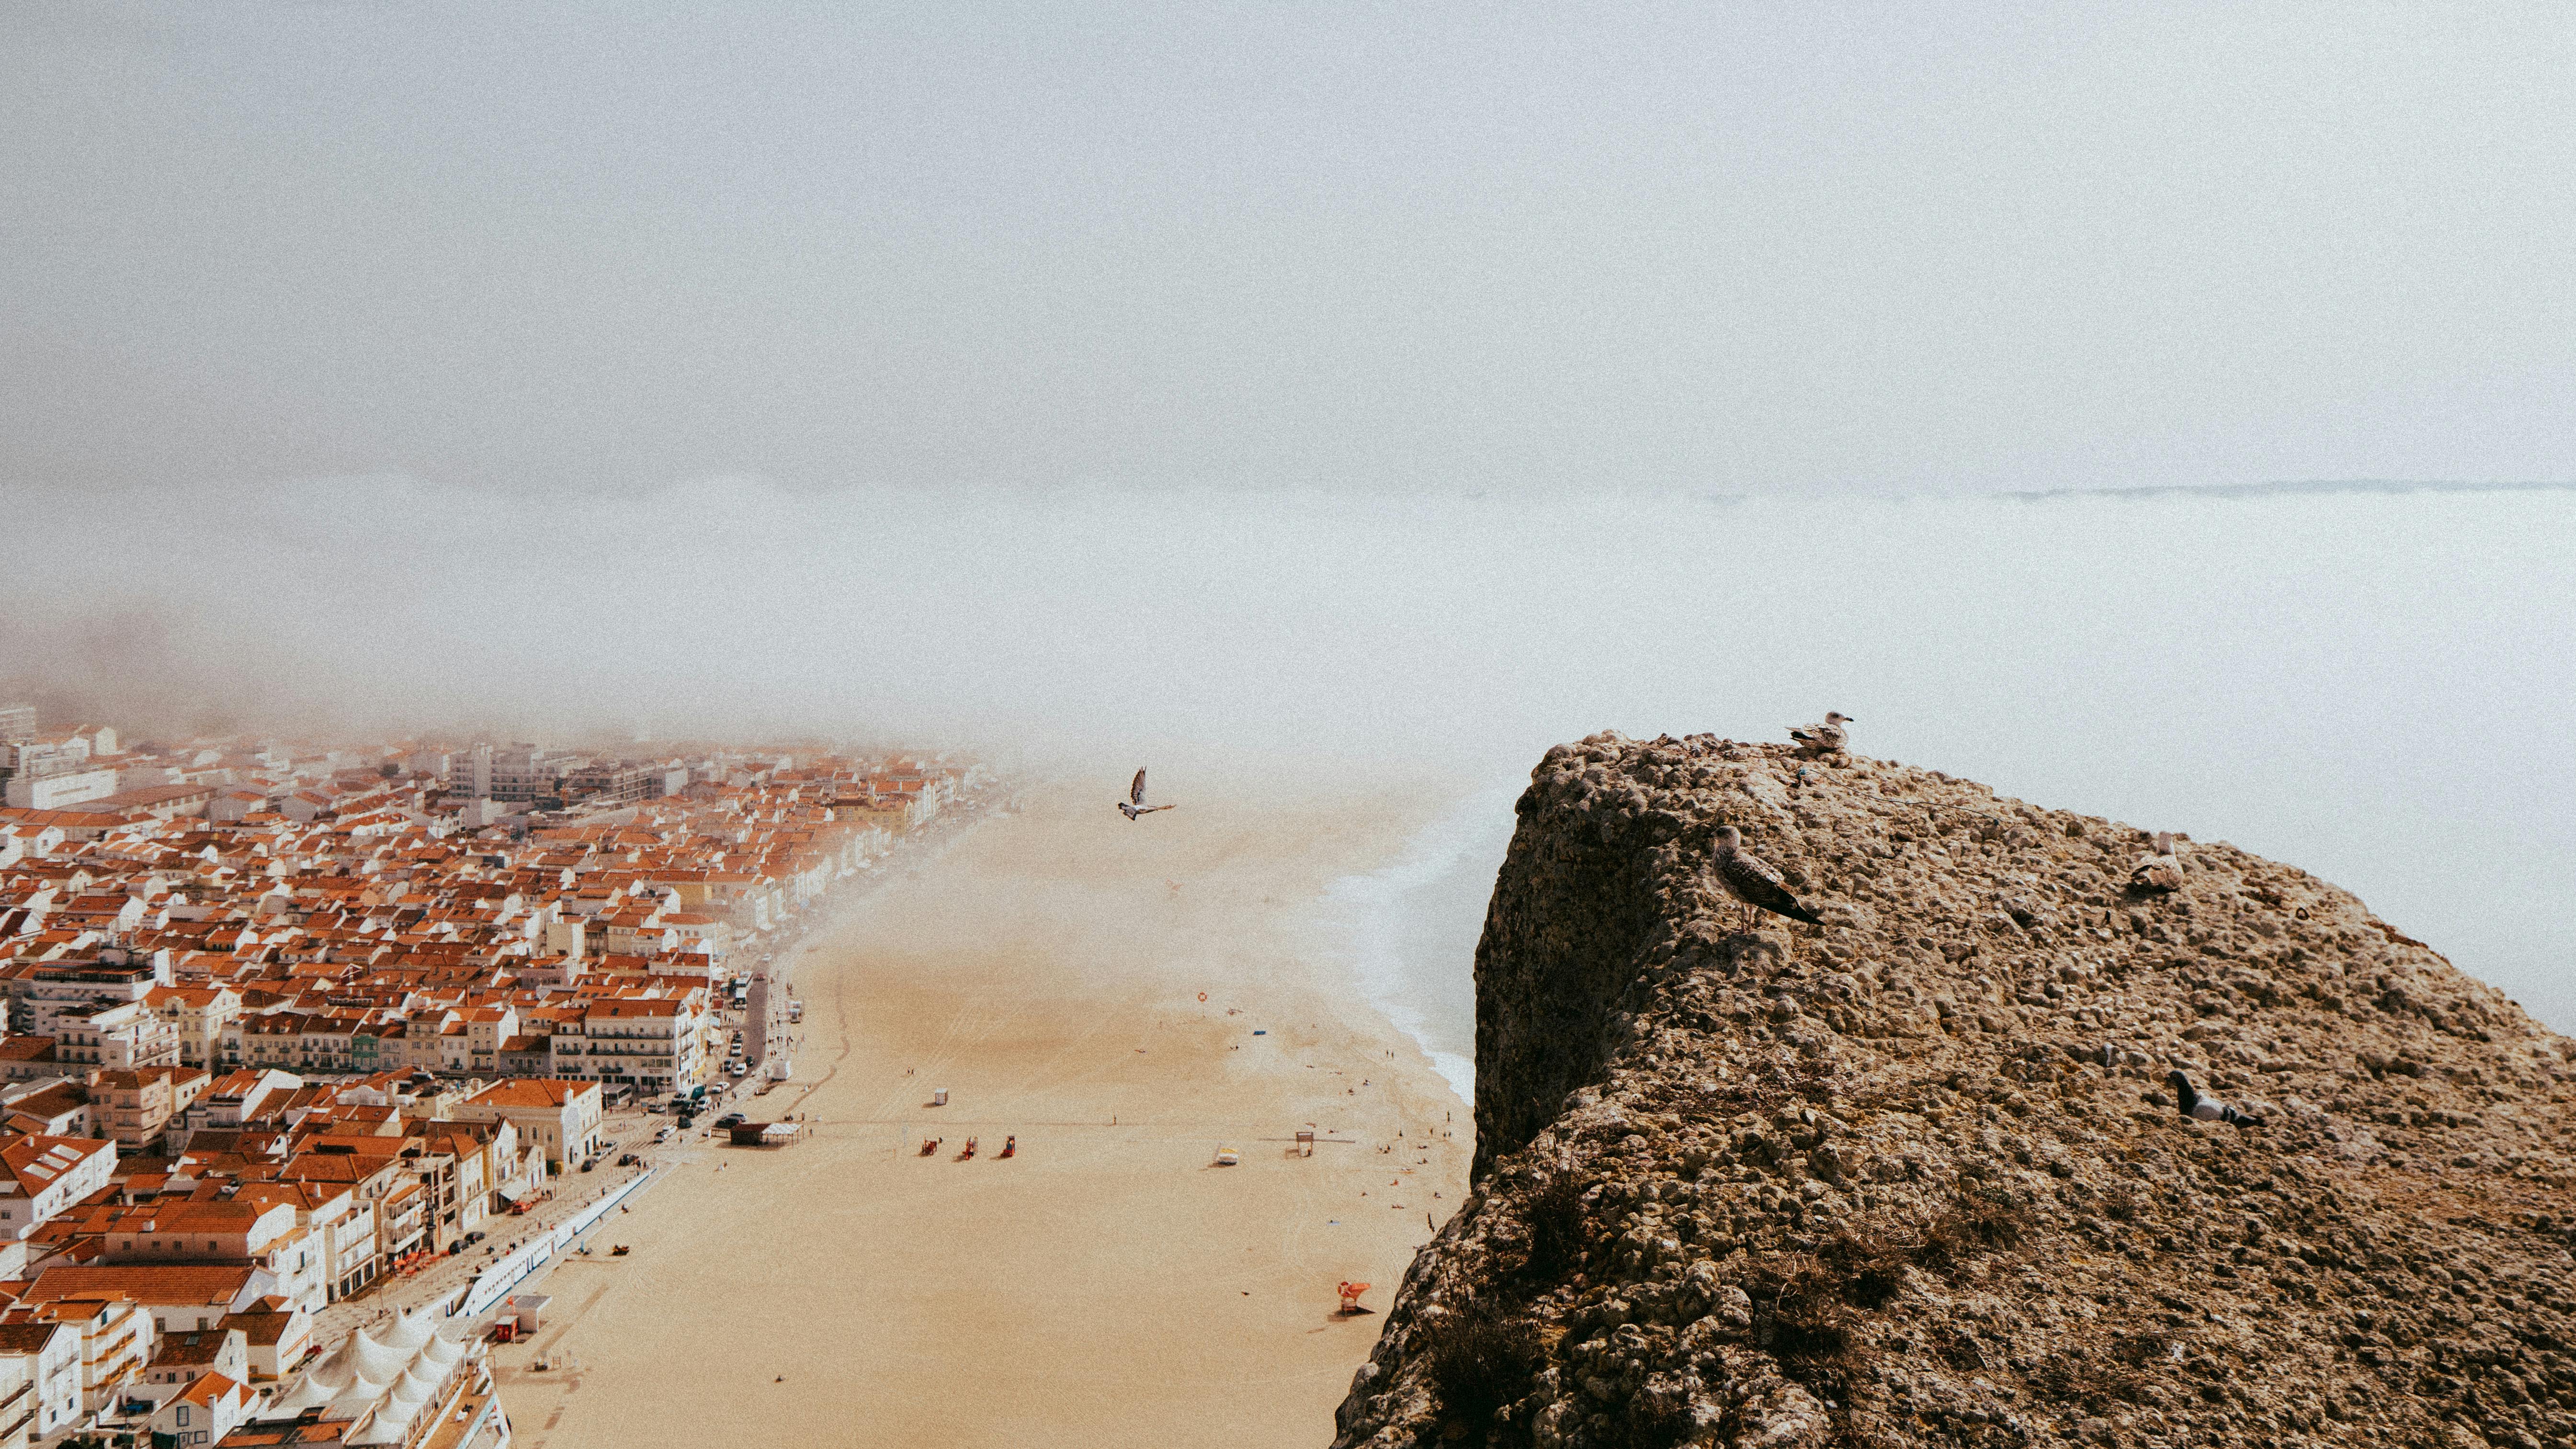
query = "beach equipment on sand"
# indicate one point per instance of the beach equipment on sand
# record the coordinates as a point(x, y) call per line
point(929, 1145)
point(939, 1097)
point(1306, 1139)
point(1226, 1156)
point(1351, 1297)
point(1010, 1148)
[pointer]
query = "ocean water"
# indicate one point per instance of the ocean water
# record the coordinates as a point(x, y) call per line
point(1409, 929)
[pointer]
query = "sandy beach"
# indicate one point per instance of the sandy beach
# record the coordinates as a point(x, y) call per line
point(1109, 1284)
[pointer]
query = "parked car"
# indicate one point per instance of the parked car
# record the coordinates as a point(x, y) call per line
point(731, 1119)
point(664, 1135)
point(588, 1163)
point(736, 1068)
point(629, 1160)
point(687, 1121)
point(475, 1236)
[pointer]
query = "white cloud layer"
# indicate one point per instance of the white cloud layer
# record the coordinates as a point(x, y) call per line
point(2376, 688)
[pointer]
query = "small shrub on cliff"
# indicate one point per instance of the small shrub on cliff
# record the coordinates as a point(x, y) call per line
point(1801, 1317)
point(1972, 1225)
point(1871, 1268)
point(1482, 1362)
point(2103, 1385)
point(1554, 1218)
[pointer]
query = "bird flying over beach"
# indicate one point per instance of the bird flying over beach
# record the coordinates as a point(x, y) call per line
point(2161, 871)
point(1134, 805)
point(1751, 880)
point(1826, 738)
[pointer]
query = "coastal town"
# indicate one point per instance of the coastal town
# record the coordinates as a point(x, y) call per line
point(316, 1051)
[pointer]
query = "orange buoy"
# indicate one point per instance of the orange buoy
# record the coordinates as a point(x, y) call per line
point(1202, 996)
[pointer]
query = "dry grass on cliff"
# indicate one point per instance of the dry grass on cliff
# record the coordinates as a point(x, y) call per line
point(1484, 1360)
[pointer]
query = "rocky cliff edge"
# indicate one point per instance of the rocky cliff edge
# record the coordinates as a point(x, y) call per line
point(1914, 1177)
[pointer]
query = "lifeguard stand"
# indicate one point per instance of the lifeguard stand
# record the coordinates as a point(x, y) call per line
point(1306, 1139)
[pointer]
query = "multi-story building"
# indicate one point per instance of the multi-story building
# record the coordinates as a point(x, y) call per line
point(58, 786)
point(612, 783)
point(260, 1231)
point(116, 1341)
point(200, 1013)
point(42, 1177)
point(559, 1119)
point(136, 1106)
point(521, 773)
point(42, 994)
point(18, 1403)
point(205, 1412)
point(384, 1190)
point(121, 1038)
point(17, 723)
point(179, 1296)
point(650, 1044)
point(340, 1225)
point(49, 1356)
point(235, 1097)
point(469, 773)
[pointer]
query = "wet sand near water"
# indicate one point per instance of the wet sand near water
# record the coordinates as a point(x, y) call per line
point(1109, 1284)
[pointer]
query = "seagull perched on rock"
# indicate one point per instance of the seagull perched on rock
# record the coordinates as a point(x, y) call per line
point(1751, 880)
point(2206, 1109)
point(2161, 871)
point(1134, 805)
point(1826, 738)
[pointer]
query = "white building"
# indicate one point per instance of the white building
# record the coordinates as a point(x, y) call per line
point(51, 1356)
point(61, 790)
point(470, 773)
point(123, 1037)
point(42, 1176)
point(555, 1118)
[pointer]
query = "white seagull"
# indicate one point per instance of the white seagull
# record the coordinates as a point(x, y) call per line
point(1751, 880)
point(1826, 738)
point(1134, 805)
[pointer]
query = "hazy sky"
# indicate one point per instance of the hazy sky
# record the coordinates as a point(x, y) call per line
point(1736, 248)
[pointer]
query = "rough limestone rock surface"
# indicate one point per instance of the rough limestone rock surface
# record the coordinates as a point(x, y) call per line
point(1914, 1177)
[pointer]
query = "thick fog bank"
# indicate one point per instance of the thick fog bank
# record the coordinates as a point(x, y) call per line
point(2372, 686)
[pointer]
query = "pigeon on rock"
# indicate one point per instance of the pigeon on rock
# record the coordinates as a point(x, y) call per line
point(2161, 871)
point(2206, 1109)
point(1134, 805)
point(1826, 738)
point(1752, 881)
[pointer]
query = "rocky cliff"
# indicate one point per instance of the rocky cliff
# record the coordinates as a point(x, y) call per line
point(1915, 1177)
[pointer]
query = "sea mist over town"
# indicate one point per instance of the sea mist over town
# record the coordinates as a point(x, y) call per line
point(2358, 679)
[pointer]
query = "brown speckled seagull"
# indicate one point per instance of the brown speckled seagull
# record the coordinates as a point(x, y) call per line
point(2161, 871)
point(1751, 880)
point(1827, 738)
